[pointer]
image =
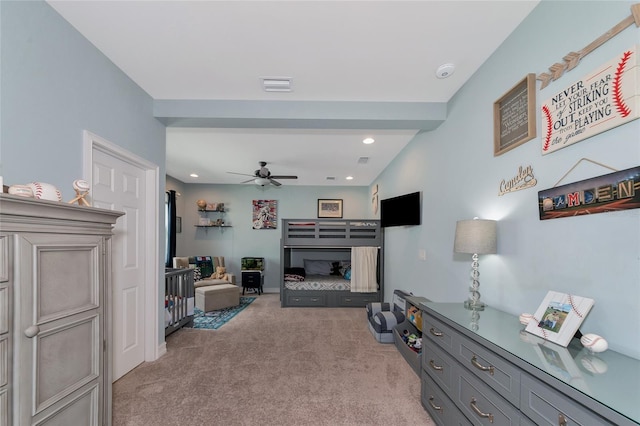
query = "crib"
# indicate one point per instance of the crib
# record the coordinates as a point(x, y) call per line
point(179, 299)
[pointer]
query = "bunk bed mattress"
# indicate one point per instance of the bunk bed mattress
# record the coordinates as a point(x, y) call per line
point(319, 282)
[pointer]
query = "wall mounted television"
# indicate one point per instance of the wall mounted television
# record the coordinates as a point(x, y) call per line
point(400, 211)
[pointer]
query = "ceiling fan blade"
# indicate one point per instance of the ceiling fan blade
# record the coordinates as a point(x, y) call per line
point(274, 182)
point(284, 177)
point(249, 180)
point(241, 174)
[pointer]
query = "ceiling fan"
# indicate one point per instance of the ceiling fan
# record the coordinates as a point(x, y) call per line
point(263, 176)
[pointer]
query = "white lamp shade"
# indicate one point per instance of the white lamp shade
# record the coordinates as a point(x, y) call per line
point(476, 236)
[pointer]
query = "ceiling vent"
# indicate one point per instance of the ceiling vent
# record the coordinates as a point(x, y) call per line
point(276, 84)
point(363, 160)
point(331, 178)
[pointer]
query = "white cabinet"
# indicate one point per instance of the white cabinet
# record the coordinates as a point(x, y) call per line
point(57, 266)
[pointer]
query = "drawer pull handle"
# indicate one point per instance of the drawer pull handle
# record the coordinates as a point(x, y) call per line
point(562, 420)
point(435, 333)
point(434, 366)
point(480, 413)
point(347, 300)
point(32, 331)
point(434, 406)
point(479, 366)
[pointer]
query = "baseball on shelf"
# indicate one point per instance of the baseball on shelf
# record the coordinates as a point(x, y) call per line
point(21, 190)
point(525, 318)
point(45, 191)
point(594, 343)
point(80, 185)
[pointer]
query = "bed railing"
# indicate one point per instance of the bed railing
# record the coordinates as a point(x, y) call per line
point(332, 232)
point(179, 296)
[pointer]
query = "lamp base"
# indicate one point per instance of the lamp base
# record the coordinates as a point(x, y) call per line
point(474, 305)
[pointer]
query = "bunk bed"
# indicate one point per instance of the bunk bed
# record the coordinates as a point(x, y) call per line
point(309, 246)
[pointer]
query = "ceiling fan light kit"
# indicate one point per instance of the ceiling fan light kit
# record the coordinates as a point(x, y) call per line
point(263, 177)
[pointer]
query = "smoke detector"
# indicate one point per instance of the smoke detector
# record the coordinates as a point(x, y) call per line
point(445, 70)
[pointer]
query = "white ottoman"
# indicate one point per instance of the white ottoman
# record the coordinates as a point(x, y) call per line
point(215, 297)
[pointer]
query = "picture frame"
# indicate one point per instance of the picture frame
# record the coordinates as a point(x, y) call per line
point(514, 116)
point(330, 208)
point(559, 316)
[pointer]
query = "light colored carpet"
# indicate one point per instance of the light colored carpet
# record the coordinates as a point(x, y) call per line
point(274, 366)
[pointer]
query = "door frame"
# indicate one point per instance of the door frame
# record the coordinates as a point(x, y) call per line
point(154, 345)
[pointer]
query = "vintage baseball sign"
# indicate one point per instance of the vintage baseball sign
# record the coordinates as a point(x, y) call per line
point(605, 98)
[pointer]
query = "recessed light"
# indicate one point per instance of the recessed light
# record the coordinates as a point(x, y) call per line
point(193, 175)
point(368, 141)
point(349, 178)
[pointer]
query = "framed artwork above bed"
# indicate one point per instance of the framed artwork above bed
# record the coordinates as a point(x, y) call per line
point(329, 208)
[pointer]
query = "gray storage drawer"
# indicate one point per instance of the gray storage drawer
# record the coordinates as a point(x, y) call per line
point(441, 409)
point(545, 405)
point(441, 367)
point(437, 332)
point(492, 369)
point(319, 300)
point(357, 299)
point(481, 404)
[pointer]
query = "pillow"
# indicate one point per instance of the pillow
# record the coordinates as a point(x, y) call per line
point(347, 273)
point(205, 263)
point(317, 267)
point(293, 277)
point(295, 271)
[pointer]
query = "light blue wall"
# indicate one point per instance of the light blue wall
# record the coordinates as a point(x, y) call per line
point(241, 240)
point(54, 85)
point(592, 256)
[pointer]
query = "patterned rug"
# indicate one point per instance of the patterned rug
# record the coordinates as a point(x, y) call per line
point(215, 319)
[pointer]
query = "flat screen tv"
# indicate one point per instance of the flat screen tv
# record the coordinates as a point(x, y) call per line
point(400, 211)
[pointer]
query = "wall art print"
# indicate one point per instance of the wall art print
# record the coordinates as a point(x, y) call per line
point(611, 192)
point(605, 98)
point(265, 214)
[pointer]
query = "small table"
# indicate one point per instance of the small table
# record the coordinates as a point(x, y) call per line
point(252, 279)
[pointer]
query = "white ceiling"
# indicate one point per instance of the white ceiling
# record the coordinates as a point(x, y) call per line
point(334, 51)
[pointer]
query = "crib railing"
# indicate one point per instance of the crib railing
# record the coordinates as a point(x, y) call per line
point(179, 294)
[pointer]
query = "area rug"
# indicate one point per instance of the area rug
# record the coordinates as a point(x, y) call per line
point(215, 319)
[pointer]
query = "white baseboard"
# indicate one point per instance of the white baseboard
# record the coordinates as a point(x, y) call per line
point(161, 350)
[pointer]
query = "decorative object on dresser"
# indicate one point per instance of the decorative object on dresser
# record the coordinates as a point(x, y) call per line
point(559, 317)
point(55, 271)
point(477, 236)
point(45, 191)
point(319, 243)
point(500, 375)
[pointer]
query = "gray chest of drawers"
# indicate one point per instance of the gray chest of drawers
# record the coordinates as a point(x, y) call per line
point(482, 368)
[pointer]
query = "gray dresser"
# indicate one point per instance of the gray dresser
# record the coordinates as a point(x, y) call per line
point(483, 368)
point(55, 269)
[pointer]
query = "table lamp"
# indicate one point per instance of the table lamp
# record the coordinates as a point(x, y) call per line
point(476, 236)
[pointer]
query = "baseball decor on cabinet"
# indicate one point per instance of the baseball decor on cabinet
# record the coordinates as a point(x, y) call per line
point(605, 98)
point(265, 214)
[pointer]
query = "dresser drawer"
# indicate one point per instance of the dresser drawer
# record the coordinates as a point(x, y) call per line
point(481, 404)
point(440, 366)
point(437, 332)
point(501, 375)
point(546, 406)
point(441, 409)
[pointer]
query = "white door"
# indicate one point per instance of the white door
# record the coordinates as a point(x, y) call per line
point(120, 185)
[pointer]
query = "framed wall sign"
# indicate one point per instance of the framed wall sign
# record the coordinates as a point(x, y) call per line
point(514, 116)
point(329, 208)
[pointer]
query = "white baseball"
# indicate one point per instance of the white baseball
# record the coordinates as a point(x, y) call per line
point(45, 191)
point(594, 343)
point(525, 318)
point(21, 190)
point(80, 185)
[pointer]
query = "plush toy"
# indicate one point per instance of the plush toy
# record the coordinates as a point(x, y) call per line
point(220, 273)
point(335, 268)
